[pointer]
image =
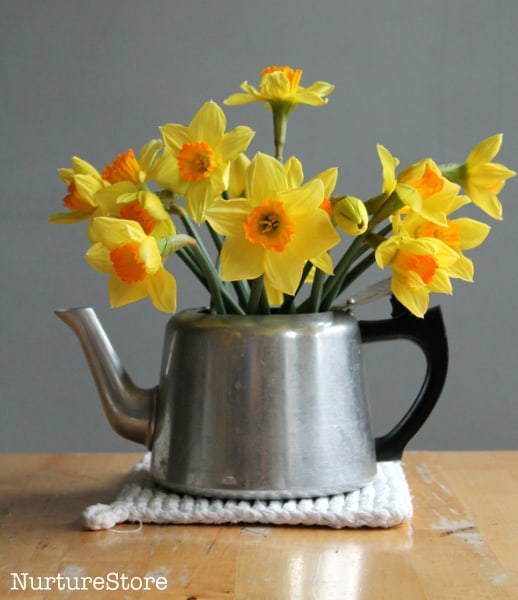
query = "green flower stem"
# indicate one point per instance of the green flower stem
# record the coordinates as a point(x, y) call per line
point(212, 278)
point(288, 305)
point(193, 232)
point(356, 271)
point(315, 297)
point(216, 238)
point(186, 256)
point(364, 264)
point(280, 111)
point(333, 284)
point(204, 262)
point(389, 207)
point(232, 306)
point(257, 303)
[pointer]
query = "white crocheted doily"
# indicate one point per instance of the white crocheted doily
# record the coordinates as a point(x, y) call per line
point(385, 502)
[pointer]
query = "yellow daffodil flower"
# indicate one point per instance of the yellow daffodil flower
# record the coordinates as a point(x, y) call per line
point(197, 157)
point(436, 191)
point(419, 266)
point(281, 84)
point(83, 181)
point(127, 201)
point(134, 263)
point(482, 179)
point(275, 229)
point(421, 187)
point(126, 166)
point(459, 234)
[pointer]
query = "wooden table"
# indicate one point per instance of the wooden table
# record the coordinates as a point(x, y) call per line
point(462, 543)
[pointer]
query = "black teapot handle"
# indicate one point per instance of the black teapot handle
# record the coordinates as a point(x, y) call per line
point(430, 335)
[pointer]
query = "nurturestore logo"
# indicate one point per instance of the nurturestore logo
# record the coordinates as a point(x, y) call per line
point(111, 582)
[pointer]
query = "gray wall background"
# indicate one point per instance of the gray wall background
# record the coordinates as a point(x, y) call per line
point(93, 78)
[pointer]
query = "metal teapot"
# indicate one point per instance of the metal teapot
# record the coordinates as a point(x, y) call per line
point(267, 407)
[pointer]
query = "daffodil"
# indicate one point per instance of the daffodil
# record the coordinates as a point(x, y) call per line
point(282, 84)
point(197, 158)
point(420, 188)
point(275, 230)
point(280, 92)
point(83, 181)
point(482, 179)
point(459, 234)
point(127, 201)
point(419, 266)
point(435, 190)
point(127, 167)
point(134, 263)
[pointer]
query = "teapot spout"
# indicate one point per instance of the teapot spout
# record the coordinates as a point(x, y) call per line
point(128, 408)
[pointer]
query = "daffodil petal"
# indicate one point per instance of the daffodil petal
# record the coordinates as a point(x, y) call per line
point(123, 293)
point(250, 264)
point(324, 262)
point(265, 178)
point(329, 178)
point(305, 199)
point(114, 232)
point(198, 196)
point(294, 172)
point(416, 299)
point(321, 88)
point(239, 98)
point(98, 257)
point(491, 174)
point(82, 167)
point(227, 216)
point(65, 218)
point(314, 235)
point(284, 269)
point(234, 142)
point(388, 168)
point(486, 200)
point(166, 172)
point(150, 254)
point(175, 136)
point(208, 124)
point(275, 296)
point(161, 289)
point(409, 196)
point(472, 233)
point(441, 283)
point(485, 150)
point(86, 186)
point(148, 154)
point(462, 269)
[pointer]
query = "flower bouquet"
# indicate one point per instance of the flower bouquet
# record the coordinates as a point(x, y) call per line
point(272, 231)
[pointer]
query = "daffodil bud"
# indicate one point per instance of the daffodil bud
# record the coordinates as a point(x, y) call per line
point(237, 176)
point(351, 215)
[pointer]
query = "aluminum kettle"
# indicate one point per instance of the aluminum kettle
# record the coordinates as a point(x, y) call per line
point(265, 407)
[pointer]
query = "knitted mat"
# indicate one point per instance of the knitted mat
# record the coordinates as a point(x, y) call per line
point(385, 502)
